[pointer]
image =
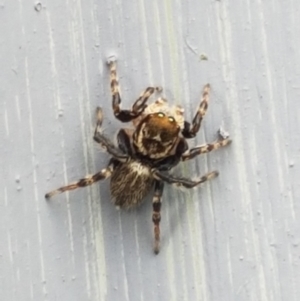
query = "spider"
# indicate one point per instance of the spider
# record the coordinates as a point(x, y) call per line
point(146, 153)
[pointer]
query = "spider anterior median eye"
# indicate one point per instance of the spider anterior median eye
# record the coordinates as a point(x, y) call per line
point(160, 114)
point(171, 119)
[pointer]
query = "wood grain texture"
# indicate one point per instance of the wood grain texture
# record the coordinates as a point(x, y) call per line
point(237, 237)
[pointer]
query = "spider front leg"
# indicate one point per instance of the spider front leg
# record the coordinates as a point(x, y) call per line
point(179, 181)
point(88, 180)
point(189, 130)
point(139, 105)
point(156, 204)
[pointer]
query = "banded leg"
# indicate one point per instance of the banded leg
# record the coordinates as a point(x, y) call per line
point(179, 181)
point(105, 142)
point(88, 180)
point(156, 203)
point(139, 105)
point(203, 149)
point(189, 130)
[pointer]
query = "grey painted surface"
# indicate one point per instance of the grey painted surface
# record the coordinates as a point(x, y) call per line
point(237, 237)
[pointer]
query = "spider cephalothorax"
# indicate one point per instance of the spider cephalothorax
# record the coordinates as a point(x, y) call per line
point(156, 135)
point(144, 155)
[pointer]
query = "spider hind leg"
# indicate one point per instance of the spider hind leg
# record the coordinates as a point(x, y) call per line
point(180, 181)
point(88, 180)
point(156, 204)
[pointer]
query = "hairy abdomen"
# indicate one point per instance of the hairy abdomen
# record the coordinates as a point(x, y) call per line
point(130, 183)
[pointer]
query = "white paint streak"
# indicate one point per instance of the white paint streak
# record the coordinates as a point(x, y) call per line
point(70, 223)
point(168, 245)
point(6, 121)
point(86, 262)
point(180, 252)
point(197, 247)
point(58, 107)
point(100, 251)
point(9, 248)
point(277, 144)
point(224, 25)
point(229, 267)
point(5, 197)
point(31, 284)
point(141, 297)
point(278, 148)
point(36, 196)
point(225, 41)
point(78, 55)
point(53, 66)
point(123, 267)
point(145, 40)
point(157, 26)
point(18, 109)
point(173, 49)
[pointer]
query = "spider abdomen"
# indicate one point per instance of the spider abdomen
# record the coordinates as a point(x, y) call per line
point(130, 183)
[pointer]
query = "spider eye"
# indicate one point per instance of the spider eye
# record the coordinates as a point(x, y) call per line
point(160, 114)
point(171, 119)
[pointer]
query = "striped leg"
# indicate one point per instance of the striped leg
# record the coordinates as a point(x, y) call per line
point(189, 130)
point(187, 183)
point(88, 180)
point(106, 142)
point(156, 203)
point(139, 105)
point(203, 149)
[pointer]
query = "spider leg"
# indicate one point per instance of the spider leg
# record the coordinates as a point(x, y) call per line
point(189, 130)
point(156, 204)
point(105, 142)
point(88, 180)
point(203, 149)
point(139, 105)
point(180, 181)
point(124, 143)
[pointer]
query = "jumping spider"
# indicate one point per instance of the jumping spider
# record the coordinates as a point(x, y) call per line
point(147, 152)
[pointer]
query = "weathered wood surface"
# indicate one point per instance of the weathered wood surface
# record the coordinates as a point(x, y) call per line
point(237, 237)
